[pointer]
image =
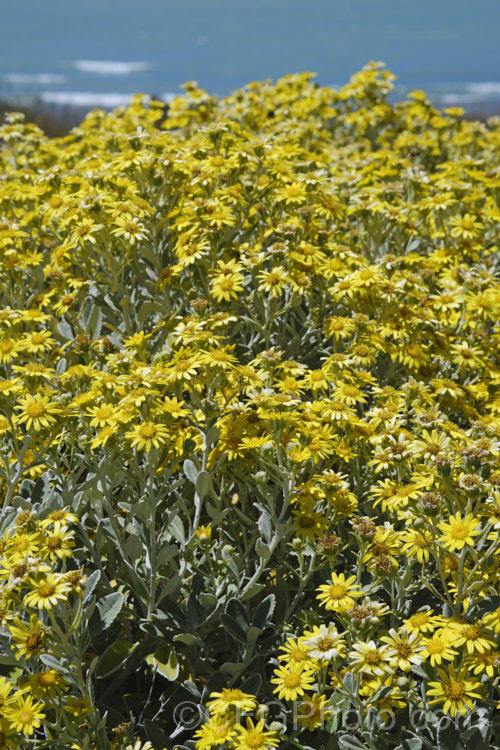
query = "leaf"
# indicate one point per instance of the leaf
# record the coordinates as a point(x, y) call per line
point(262, 549)
point(170, 586)
point(372, 717)
point(141, 590)
point(188, 639)
point(151, 629)
point(231, 667)
point(133, 547)
point(91, 584)
point(212, 437)
point(166, 553)
point(155, 735)
point(146, 309)
point(65, 330)
point(190, 470)
point(215, 683)
point(236, 609)
point(412, 743)
point(216, 515)
point(233, 627)
point(102, 736)
point(94, 324)
point(412, 244)
point(208, 600)
point(254, 589)
point(61, 366)
point(263, 612)
point(449, 737)
point(171, 612)
point(176, 528)
point(383, 692)
point(192, 688)
point(349, 742)
point(189, 444)
point(110, 607)
point(114, 657)
point(41, 488)
point(484, 606)
point(142, 509)
point(271, 643)
point(11, 661)
point(165, 661)
point(348, 681)
point(192, 614)
point(253, 635)
point(92, 666)
point(203, 484)
point(265, 526)
point(417, 669)
point(252, 684)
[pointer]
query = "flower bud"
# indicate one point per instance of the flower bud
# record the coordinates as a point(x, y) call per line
point(262, 711)
point(404, 683)
point(277, 726)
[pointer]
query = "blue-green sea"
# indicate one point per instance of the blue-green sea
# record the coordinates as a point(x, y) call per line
point(99, 52)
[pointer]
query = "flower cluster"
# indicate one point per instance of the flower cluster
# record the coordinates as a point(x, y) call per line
point(252, 343)
point(38, 612)
point(225, 725)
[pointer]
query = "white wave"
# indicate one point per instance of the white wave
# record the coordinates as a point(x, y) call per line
point(488, 88)
point(110, 67)
point(25, 79)
point(459, 98)
point(91, 99)
point(85, 98)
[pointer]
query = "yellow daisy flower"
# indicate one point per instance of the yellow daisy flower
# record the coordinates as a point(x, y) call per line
point(295, 652)
point(372, 659)
point(313, 712)
point(253, 737)
point(408, 648)
point(423, 622)
point(455, 691)
point(47, 591)
point(471, 635)
point(292, 681)
point(28, 638)
point(218, 731)
point(438, 647)
point(104, 414)
point(148, 435)
point(458, 531)
point(229, 698)
point(37, 411)
point(324, 642)
point(487, 662)
point(45, 683)
point(467, 226)
point(58, 542)
point(339, 595)
point(25, 716)
point(60, 516)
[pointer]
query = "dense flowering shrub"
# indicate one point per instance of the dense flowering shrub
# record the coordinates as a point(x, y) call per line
point(41, 609)
point(250, 424)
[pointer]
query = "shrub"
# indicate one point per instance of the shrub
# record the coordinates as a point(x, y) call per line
point(250, 375)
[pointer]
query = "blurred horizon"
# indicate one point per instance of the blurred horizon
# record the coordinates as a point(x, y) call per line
point(100, 52)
